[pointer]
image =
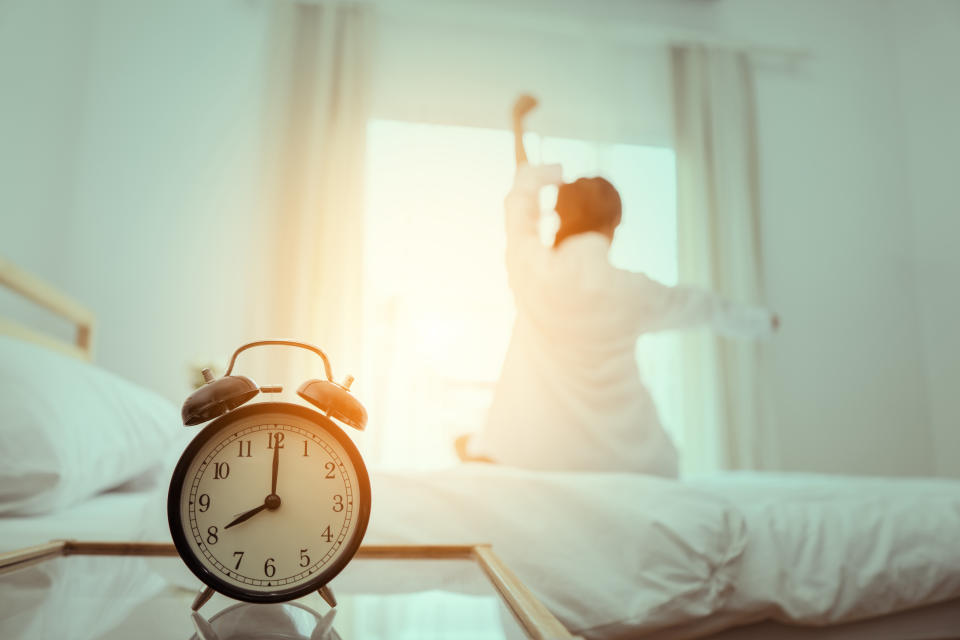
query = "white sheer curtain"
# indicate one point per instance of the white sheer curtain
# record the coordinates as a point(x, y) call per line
point(724, 420)
point(316, 109)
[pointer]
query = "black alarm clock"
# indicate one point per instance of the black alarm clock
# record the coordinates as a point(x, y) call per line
point(270, 501)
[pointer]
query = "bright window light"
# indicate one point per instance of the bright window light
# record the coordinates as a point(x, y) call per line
point(438, 310)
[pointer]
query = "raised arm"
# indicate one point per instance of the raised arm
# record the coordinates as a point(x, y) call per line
point(523, 105)
point(522, 204)
point(659, 307)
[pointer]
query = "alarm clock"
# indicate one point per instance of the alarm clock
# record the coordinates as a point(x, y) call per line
point(270, 501)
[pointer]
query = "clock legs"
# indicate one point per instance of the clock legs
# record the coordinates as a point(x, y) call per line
point(327, 594)
point(205, 594)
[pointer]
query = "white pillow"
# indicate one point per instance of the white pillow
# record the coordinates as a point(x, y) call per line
point(69, 430)
point(613, 555)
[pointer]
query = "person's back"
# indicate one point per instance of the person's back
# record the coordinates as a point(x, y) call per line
point(570, 374)
point(570, 395)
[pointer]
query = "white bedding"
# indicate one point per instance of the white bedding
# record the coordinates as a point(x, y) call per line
point(116, 515)
point(616, 555)
point(818, 550)
point(824, 549)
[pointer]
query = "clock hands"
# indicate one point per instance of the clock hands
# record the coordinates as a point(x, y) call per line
point(272, 501)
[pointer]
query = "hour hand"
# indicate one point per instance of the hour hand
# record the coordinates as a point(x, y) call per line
point(243, 517)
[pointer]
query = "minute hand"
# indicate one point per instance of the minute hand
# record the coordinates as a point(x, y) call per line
point(276, 466)
point(243, 517)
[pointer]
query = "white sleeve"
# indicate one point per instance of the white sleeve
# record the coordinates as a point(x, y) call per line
point(522, 205)
point(659, 307)
point(522, 208)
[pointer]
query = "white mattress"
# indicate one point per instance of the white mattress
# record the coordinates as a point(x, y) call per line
point(117, 515)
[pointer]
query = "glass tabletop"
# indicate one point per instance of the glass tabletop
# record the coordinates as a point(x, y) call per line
point(421, 592)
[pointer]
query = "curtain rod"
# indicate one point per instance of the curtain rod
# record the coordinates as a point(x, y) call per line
point(583, 29)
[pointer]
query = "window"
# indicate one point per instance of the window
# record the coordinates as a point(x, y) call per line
point(438, 310)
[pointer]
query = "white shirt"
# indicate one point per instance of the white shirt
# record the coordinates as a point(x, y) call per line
point(570, 395)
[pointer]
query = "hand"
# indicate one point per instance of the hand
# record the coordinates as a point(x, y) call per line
point(775, 321)
point(243, 517)
point(523, 105)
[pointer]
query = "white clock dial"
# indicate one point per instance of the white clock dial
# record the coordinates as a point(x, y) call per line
point(269, 502)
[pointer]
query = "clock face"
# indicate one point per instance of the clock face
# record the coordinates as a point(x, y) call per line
point(269, 502)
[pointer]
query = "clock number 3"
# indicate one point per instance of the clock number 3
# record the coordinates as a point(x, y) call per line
point(337, 503)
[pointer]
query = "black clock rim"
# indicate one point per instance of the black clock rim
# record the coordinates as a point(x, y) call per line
point(176, 522)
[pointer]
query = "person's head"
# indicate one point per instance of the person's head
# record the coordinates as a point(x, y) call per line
point(589, 204)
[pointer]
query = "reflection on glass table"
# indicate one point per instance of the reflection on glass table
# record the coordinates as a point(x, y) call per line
point(108, 591)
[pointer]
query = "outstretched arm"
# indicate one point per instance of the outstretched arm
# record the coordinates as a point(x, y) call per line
point(524, 105)
point(659, 307)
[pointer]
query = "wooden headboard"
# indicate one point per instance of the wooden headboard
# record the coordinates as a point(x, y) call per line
point(41, 293)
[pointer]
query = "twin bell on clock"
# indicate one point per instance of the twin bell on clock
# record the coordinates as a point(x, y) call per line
point(270, 500)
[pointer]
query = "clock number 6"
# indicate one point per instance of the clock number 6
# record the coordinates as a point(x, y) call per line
point(269, 569)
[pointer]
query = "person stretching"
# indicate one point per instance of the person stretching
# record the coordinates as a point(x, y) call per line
point(570, 395)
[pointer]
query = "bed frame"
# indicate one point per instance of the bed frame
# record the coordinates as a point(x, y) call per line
point(44, 295)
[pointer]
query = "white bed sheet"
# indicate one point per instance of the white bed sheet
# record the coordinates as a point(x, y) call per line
point(116, 515)
point(824, 550)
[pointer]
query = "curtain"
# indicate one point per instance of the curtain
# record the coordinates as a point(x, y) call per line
point(719, 247)
point(316, 106)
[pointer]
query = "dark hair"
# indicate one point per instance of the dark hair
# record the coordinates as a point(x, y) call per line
point(589, 204)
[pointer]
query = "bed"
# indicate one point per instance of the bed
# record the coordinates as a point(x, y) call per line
point(741, 555)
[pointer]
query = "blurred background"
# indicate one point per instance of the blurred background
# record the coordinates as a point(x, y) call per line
point(201, 174)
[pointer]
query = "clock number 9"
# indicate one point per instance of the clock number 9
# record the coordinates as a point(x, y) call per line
point(269, 569)
point(337, 503)
point(204, 502)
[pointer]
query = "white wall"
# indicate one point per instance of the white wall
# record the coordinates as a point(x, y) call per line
point(44, 48)
point(848, 369)
point(858, 147)
point(466, 68)
point(926, 39)
point(130, 135)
